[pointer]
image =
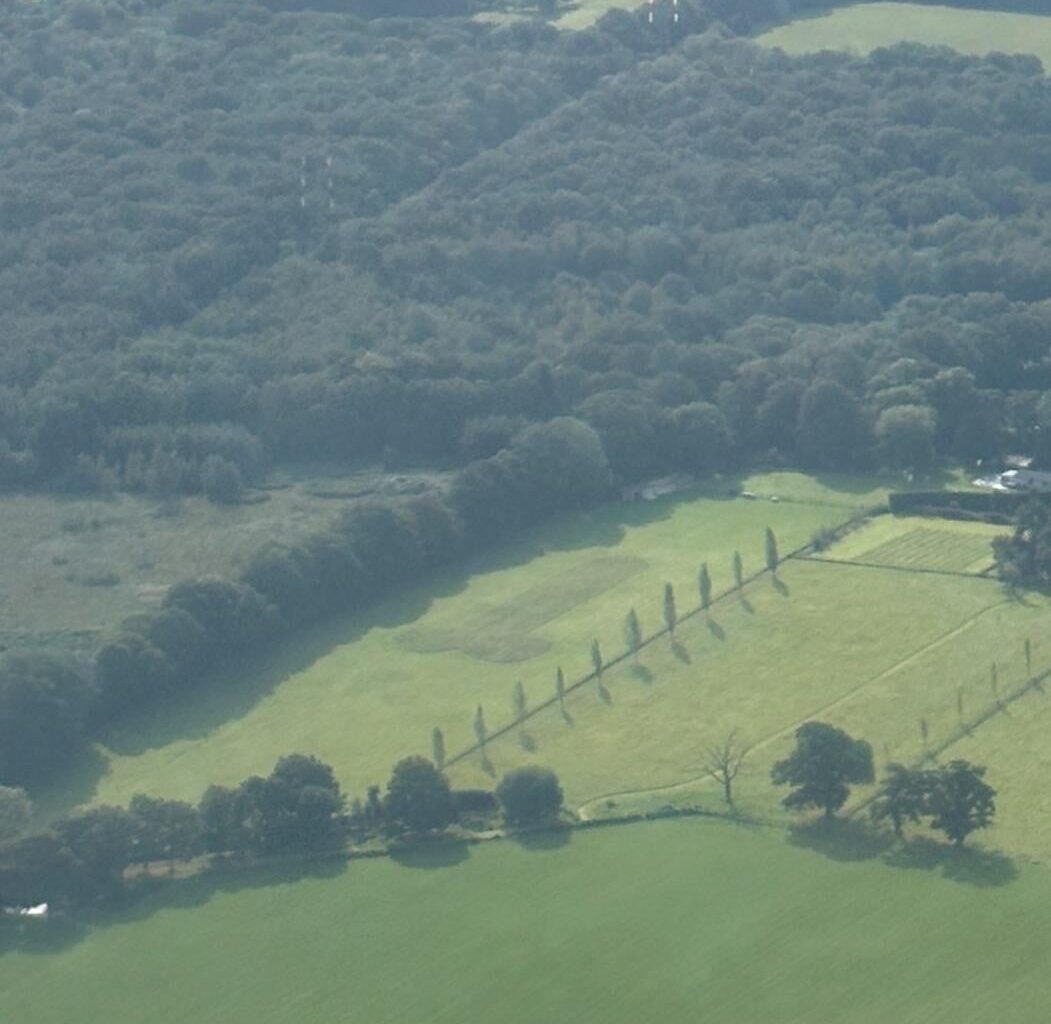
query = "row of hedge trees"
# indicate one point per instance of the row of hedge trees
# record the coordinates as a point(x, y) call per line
point(298, 808)
point(47, 710)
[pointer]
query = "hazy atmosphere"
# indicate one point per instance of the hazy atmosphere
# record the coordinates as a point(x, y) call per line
point(534, 507)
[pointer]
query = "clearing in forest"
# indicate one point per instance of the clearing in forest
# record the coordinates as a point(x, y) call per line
point(862, 28)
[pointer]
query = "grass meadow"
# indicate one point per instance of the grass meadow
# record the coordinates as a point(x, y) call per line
point(363, 691)
point(881, 650)
point(862, 28)
point(673, 921)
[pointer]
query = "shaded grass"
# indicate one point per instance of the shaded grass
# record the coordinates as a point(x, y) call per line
point(864, 27)
point(653, 922)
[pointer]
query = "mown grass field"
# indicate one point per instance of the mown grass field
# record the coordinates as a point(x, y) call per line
point(363, 691)
point(672, 921)
point(863, 28)
point(877, 650)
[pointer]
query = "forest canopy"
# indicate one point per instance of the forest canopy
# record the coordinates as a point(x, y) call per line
point(240, 234)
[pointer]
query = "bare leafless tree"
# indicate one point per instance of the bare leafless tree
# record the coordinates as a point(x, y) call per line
point(723, 761)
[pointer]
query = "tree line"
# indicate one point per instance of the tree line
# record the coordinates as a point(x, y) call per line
point(48, 710)
point(83, 858)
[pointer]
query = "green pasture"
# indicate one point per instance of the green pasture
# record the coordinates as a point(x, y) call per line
point(863, 28)
point(672, 921)
point(874, 649)
point(363, 691)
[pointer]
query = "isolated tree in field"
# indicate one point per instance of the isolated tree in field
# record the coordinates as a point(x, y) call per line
point(738, 570)
point(723, 762)
point(438, 747)
point(633, 633)
point(519, 701)
point(960, 801)
point(925, 731)
point(530, 795)
point(596, 659)
point(1028, 658)
point(704, 585)
point(772, 559)
point(822, 768)
point(560, 687)
point(902, 796)
point(670, 616)
point(418, 796)
point(480, 731)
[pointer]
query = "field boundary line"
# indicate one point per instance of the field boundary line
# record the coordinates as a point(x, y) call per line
point(894, 568)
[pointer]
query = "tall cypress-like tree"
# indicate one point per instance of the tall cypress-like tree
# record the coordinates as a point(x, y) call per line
point(772, 559)
point(480, 731)
point(438, 747)
point(704, 584)
point(560, 687)
point(596, 659)
point(519, 701)
point(738, 570)
point(670, 615)
point(633, 632)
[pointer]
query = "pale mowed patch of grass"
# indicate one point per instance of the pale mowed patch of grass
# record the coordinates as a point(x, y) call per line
point(863, 28)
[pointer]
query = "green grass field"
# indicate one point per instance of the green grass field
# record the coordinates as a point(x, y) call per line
point(363, 691)
point(865, 27)
point(672, 921)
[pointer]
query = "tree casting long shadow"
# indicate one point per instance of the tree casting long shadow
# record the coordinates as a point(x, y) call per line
point(848, 839)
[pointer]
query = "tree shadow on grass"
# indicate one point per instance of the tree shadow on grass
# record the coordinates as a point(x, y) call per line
point(604, 695)
point(680, 652)
point(526, 741)
point(746, 604)
point(567, 718)
point(544, 839)
point(841, 839)
point(65, 930)
point(487, 766)
point(641, 673)
point(780, 586)
point(235, 688)
point(716, 630)
point(431, 854)
point(981, 868)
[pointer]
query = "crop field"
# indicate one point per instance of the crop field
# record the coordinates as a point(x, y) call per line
point(863, 28)
point(363, 691)
point(670, 921)
point(909, 542)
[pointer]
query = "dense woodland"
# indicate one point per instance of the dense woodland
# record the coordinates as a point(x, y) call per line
point(234, 235)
